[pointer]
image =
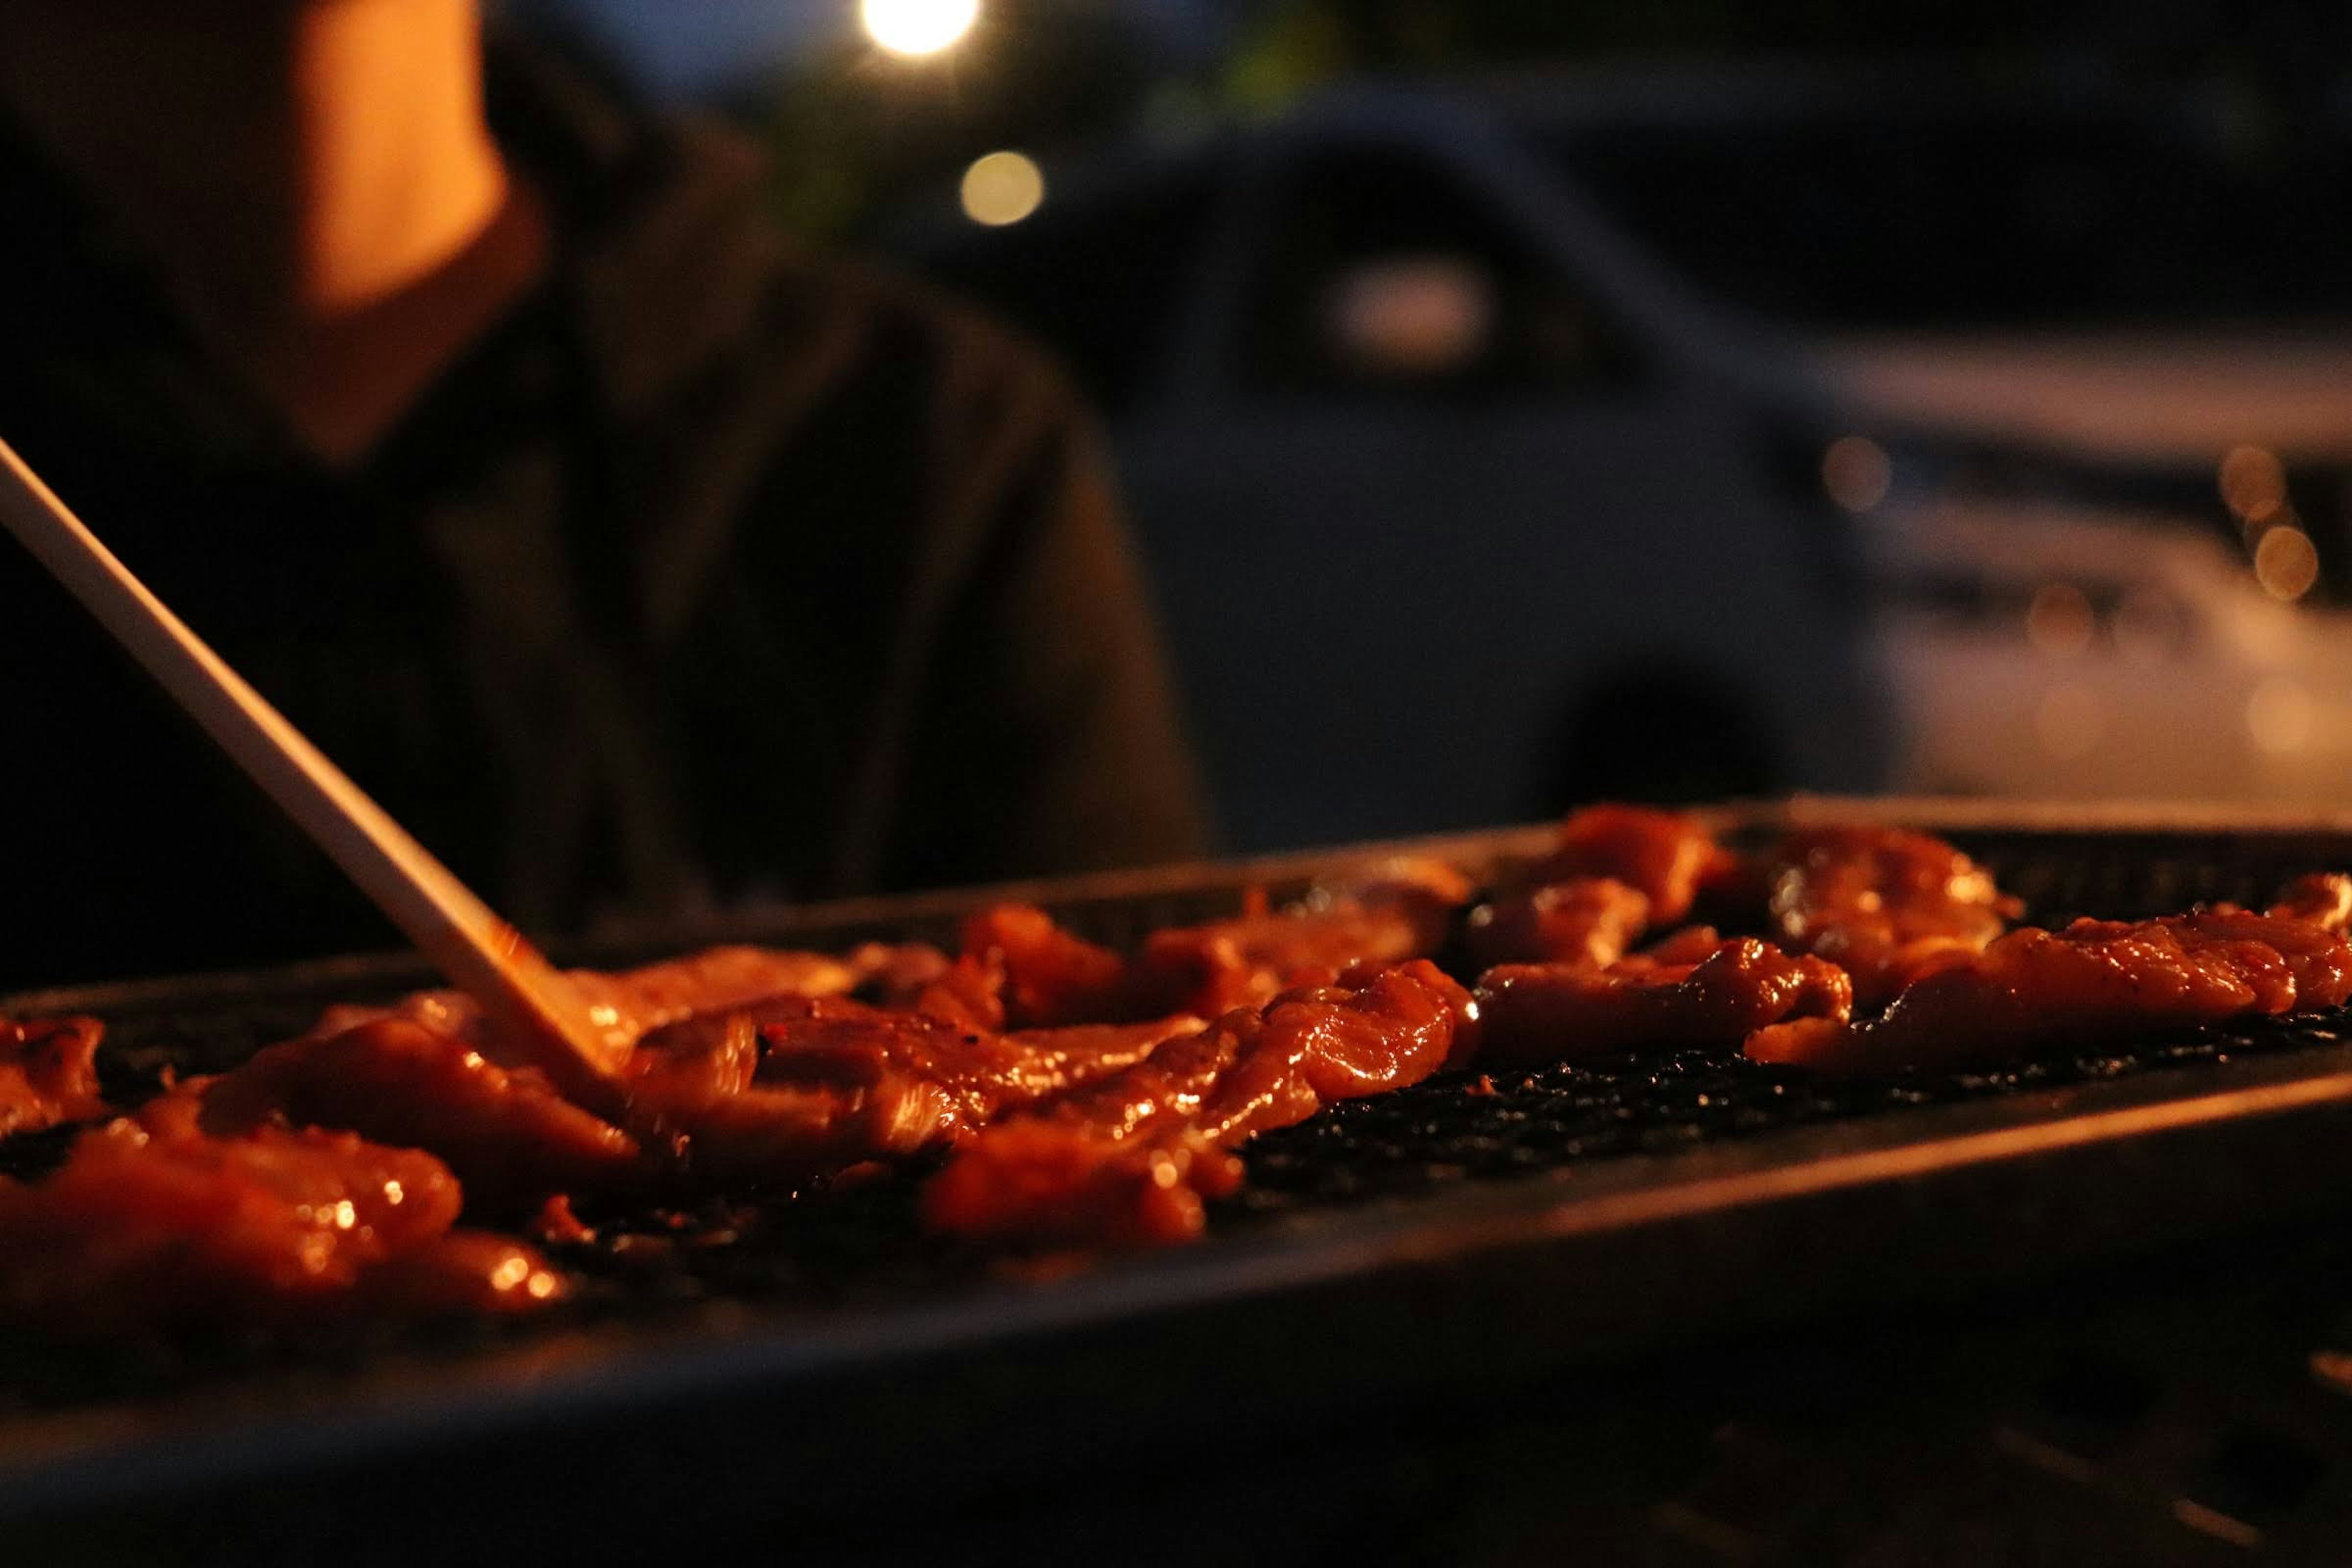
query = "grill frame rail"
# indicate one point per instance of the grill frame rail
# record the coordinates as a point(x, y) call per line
point(1315, 1311)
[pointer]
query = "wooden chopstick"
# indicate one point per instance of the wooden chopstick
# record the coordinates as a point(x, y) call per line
point(479, 952)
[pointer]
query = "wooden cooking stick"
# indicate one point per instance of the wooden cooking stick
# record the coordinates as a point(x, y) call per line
point(483, 955)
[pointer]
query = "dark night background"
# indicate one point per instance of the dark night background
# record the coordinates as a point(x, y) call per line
point(1795, 493)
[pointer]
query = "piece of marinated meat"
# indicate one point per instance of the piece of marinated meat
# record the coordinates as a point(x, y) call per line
point(152, 1223)
point(1884, 904)
point(511, 1139)
point(628, 1004)
point(1668, 856)
point(1042, 1183)
point(1590, 920)
point(2323, 898)
point(1048, 975)
point(800, 1087)
point(49, 1073)
point(1401, 909)
point(1565, 1012)
point(1130, 1157)
point(2094, 982)
point(783, 1089)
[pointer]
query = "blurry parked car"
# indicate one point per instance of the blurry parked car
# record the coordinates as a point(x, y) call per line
point(2071, 655)
point(1496, 448)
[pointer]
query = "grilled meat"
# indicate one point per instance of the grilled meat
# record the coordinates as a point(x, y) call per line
point(1554, 1012)
point(1149, 1133)
point(1587, 920)
point(1669, 857)
point(1883, 904)
point(2094, 982)
point(150, 1222)
point(506, 1133)
point(49, 1073)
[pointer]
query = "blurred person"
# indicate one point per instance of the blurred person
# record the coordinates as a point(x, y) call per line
point(635, 561)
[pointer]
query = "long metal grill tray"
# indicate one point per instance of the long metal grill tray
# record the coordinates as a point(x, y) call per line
point(1429, 1236)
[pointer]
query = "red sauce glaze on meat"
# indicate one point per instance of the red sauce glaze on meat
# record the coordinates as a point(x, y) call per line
point(1049, 976)
point(1884, 904)
point(1554, 1012)
point(634, 1001)
point(2094, 983)
point(1075, 1092)
point(1591, 921)
point(1114, 1155)
point(1402, 911)
point(2323, 898)
point(1668, 856)
point(49, 1073)
point(151, 1222)
point(804, 1085)
point(507, 1133)
point(783, 1090)
point(1039, 1182)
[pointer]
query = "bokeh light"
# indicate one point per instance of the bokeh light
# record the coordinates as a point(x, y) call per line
point(2285, 564)
point(2279, 715)
point(2059, 623)
point(1001, 187)
point(2149, 627)
point(2253, 484)
point(1414, 316)
point(917, 27)
point(1856, 472)
point(2071, 721)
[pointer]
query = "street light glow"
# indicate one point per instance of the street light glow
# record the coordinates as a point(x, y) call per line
point(1001, 187)
point(917, 27)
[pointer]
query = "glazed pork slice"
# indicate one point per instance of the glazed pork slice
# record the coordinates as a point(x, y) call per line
point(1616, 872)
point(2323, 898)
point(152, 1223)
point(49, 1073)
point(1669, 856)
point(801, 1087)
point(783, 1089)
point(634, 1001)
point(1884, 904)
point(1587, 920)
point(508, 1134)
point(2094, 982)
point(1701, 992)
point(1128, 1160)
point(1045, 974)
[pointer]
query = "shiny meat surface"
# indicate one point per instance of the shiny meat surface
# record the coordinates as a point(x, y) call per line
point(634, 1001)
point(1048, 976)
point(804, 1085)
point(2323, 898)
point(1144, 1132)
point(1042, 1182)
point(1070, 1095)
point(1668, 856)
point(151, 1222)
point(783, 1089)
point(1402, 912)
point(1044, 975)
point(1884, 904)
point(2094, 983)
point(49, 1073)
point(510, 1138)
point(1590, 920)
point(1560, 1012)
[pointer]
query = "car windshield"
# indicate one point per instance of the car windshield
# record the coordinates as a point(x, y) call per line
point(1928, 220)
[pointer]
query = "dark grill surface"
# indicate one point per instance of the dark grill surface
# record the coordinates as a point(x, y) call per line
point(818, 1250)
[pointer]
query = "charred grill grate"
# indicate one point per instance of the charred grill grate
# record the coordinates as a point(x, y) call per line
point(815, 1251)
